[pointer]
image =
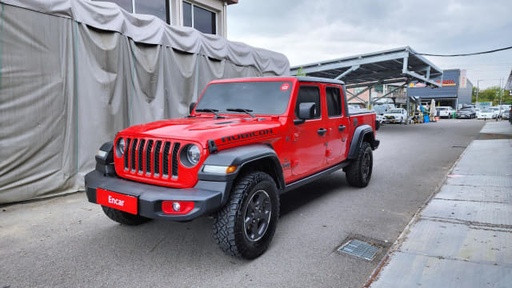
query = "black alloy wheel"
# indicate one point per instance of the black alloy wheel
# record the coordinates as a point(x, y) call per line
point(359, 172)
point(245, 226)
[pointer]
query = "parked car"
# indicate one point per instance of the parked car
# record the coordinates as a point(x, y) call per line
point(445, 111)
point(485, 114)
point(395, 115)
point(497, 112)
point(466, 112)
point(355, 106)
point(505, 115)
point(379, 120)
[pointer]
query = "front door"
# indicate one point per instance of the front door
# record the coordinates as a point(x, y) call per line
point(309, 137)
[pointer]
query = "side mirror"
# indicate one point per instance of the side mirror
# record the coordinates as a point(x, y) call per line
point(191, 107)
point(307, 110)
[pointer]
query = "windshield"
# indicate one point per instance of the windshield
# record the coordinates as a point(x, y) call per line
point(270, 98)
point(395, 111)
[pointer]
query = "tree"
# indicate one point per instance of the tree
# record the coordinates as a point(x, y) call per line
point(300, 72)
point(492, 94)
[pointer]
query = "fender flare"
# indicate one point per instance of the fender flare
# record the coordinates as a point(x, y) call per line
point(105, 159)
point(360, 134)
point(242, 157)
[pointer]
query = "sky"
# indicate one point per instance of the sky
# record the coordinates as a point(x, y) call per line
point(308, 31)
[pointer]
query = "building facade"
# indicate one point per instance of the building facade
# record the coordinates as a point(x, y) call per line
point(83, 70)
point(456, 90)
point(207, 16)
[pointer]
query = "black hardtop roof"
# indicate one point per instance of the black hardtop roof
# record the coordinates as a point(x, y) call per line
point(320, 79)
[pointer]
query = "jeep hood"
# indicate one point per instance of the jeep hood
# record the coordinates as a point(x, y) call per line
point(223, 131)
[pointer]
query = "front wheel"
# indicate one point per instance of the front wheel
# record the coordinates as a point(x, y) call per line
point(359, 172)
point(246, 224)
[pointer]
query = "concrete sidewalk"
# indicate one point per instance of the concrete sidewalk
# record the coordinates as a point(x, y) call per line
point(463, 236)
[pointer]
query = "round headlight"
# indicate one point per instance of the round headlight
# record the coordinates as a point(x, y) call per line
point(193, 154)
point(120, 147)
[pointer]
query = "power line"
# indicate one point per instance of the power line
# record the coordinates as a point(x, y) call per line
point(465, 54)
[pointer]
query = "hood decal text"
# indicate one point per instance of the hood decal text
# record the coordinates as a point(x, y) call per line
point(246, 135)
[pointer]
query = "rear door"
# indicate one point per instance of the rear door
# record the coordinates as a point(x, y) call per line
point(337, 124)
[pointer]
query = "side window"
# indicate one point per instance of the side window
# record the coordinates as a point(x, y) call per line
point(309, 94)
point(333, 101)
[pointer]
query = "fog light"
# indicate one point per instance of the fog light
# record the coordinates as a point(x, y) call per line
point(177, 207)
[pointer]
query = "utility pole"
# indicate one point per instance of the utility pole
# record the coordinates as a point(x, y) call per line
point(477, 91)
point(501, 91)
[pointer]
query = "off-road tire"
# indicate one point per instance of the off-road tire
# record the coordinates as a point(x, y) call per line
point(245, 226)
point(359, 172)
point(123, 217)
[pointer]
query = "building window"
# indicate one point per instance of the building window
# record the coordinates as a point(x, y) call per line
point(201, 19)
point(156, 8)
point(125, 4)
point(160, 8)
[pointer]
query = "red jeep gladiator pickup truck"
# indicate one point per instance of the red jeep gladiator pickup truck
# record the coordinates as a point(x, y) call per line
point(245, 142)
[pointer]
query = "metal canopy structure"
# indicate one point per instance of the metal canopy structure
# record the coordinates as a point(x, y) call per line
point(401, 65)
point(508, 84)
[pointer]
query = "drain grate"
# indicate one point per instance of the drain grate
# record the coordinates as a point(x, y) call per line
point(360, 249)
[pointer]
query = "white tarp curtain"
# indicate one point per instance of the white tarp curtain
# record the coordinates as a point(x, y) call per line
point(73, 73)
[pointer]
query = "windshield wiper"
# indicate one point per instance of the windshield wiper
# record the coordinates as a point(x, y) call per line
point(246, 111)
point(209, 110)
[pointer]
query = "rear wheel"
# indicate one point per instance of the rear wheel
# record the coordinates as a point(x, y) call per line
point(359, 172)
point(245, 226)
point(123, 217)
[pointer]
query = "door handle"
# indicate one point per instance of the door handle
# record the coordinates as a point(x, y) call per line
point(321, 131)
point(341, 128)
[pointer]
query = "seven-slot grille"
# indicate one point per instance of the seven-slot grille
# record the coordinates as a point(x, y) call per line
point(151, 158)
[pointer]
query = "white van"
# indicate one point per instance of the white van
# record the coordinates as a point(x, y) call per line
point(444, 111)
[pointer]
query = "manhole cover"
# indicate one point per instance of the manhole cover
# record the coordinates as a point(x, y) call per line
point(360, 249)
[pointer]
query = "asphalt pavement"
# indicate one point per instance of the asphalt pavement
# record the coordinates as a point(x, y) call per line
point(463, 235)
point(66, 241)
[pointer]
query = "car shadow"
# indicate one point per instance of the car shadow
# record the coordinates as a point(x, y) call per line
point(314, 191)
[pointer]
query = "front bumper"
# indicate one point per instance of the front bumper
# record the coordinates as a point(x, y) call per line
point(392, 120)
point(208, 196)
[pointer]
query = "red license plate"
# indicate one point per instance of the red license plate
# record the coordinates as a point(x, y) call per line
point(125, 203)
